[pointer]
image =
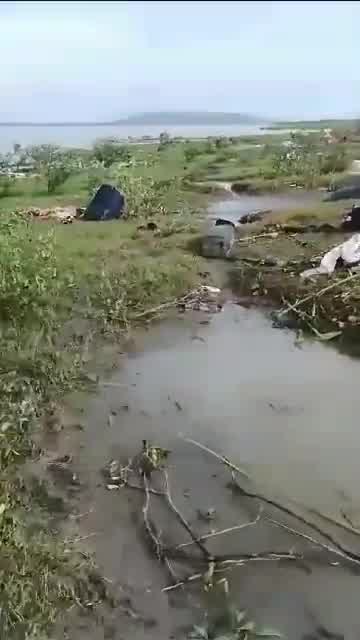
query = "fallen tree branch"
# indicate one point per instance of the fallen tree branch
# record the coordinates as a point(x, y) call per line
point(237, 527)
point(335, 522)
point(317, 294)
point(160, 307)
point(180, 517)
point(305, 536)
point(350, 555)
point(157, 547)
point(257, 557)
point(250, 238)
point(218, 456)
point(229, 565)
point(153, 535)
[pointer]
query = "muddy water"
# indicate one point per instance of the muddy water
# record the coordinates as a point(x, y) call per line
point(237, 205)
point(287, 414)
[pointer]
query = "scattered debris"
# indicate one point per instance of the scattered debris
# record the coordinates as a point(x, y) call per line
point(347, 253)
point(254, 216)
point(65, 215)
point(204, 298)
point(149, 467)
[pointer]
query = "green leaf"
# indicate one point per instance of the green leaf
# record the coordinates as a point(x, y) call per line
point(268, 632)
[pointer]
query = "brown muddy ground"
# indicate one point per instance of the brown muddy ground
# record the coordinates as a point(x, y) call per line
point(288, 414)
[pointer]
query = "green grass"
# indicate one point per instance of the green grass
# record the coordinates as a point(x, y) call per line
point(108, 273)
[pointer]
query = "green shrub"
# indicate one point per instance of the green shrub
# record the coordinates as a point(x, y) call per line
point(109, 151)
point(29, 279)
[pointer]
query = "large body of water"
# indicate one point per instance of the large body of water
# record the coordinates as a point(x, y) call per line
point(84, 136)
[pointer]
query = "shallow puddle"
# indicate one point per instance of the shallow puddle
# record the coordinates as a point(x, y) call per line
point(288, 414)
point(238, 205)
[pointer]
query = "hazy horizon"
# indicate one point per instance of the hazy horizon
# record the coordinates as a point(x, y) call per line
point(100, 61)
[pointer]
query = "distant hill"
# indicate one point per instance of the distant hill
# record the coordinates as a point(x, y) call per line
point(158, 118)
point(170, 118)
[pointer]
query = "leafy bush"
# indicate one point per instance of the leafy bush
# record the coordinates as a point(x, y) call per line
point(53, 163)
point(191, 151)
point(57, 176)
point(120, 295)
point(29, 278)
point(144, 196)
point(164, 140)
point(109, 151)
point(335, 161)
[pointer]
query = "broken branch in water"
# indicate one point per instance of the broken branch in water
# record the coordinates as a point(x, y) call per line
point(237, 527)
point(317, 294)
point(229, 565)
point(148, 526)
point(300, 534)
point(350, 555)
point(218, 456)
point(152, 533)
point(180, 517)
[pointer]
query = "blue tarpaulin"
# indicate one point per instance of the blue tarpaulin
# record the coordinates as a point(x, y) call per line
point(107, 204)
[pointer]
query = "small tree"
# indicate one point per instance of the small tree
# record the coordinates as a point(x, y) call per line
point(53, 163)
point(191, 151)
point(109, 151)
point(164, 140)
point(57, 174)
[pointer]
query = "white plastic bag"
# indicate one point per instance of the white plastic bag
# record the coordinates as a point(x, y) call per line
point(349, 251)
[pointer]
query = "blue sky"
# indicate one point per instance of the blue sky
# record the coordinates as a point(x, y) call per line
point(100, 60)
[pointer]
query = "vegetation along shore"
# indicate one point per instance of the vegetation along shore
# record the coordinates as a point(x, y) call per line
point(110, 277)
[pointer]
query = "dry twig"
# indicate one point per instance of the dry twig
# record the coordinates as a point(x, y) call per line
point(237, 527)
point(317, 543)
point(181, 518)
point(227, 462)
point(317, 294)
point(153, 535)
point(350, 555)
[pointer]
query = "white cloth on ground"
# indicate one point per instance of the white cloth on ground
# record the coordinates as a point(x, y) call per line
point(349, 251)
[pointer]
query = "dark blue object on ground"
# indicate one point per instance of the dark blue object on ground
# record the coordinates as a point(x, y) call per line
point(107, 204)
